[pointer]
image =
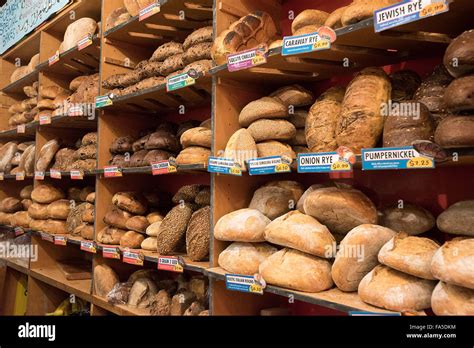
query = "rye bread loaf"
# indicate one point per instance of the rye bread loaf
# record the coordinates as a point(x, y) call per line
point(357, 254)
point(449, 299)
point(76, 31)
point(452, 263)
point(322, 121)
point(264, 129)
point(244, 258)
point(243, 225)
point(334, 19)
point(294, 95)
point(361, 122)
point(362, 9)
point(393, 290)
point(296, 270)
point(409, 254)
point(241, 147)
point(200, 51)
point(458, 58)
point(117, 217)
point(411, 219)
point(193, 155)
point(172, 233)
point(59, 209)
point(198, 136)
point(198, 36)
point(166, 50)
point(163, 140)
point(137, 223)
point(270, 148)
point(198, 234)
point(458, 219)
point(308, 17)
point(295, 187)
point(273, 201)
point(104, 280)
point(455, 132)
point(187, 193)
point(340, 209)
point(301, 232)
point(459, 95)
point(10, 205)
point(46, 194)
point(404, 85)
point(266, 107)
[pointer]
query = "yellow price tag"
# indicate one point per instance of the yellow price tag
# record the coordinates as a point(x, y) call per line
point(282, 167)
point(258, 59)
point(256, 288)
point(420, 162)
point(433, 9)
point(172, 169)
point(340, 165)
point(178, 268)
point(321, 44)
point(190, 81)
point(235, 171)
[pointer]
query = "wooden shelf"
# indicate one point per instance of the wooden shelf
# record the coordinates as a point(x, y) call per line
point(17, 86)
point(122, 310)
point(17, 265)
point(30, 132)
point(183, 169)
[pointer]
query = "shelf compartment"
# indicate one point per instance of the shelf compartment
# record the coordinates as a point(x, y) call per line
point(122, 310)
point(17, 86)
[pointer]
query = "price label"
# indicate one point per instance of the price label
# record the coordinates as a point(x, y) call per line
point(55, 174)
point(20, 176)
point(39, 175)
point(19, 231)
point(269, 165)
point(247, 59)
point(89, 246)
point(103, 101)
point(324, 162)
point(243, 283)
point(304, 43)
point(44, 119)
point(54, 59)
point(77, 174)
point(223, 166)
point(163, 167)
point(420, 162)
point(133, 258)
point(2, 176)
point(21, 129)
point(179, 81)
point(60, 240)
point(111, 253)
point(395, 158)
point(47, 237)
point(84, 42)
point(149, 11)
point(75, 110)
point(112, 172)
point(171, 263)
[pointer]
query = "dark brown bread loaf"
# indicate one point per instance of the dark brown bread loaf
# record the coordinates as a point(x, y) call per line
point(172, 233)
point(459, 95)
point(166, 50)
point(404, 84)
point(122, 145)
point(459, 56)
point(201, 35)
point(455, 132)
point(163, 140)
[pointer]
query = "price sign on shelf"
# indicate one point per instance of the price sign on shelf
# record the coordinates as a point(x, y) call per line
point(111, 252)
point(84, 42)
point(44, 119)
point(224, 166)
point(133, 257)
point(149, 11)
point(304, 43)
point(54, 58)
point(395, 158)
point(89, 246)
point(39, 175)
point(112, 172)
point(75, 110)
point(171, 263)
point(103, 101)
point(247, 59)
point(21, 129)
point(47, 237)
point(19, 231)
point(77, 174)
point(60, 240)
point(324, 162)
point(163, 167)
point(20, 176)
point(269, 165)
point(55, 174)
point(180, 81)
point(243, 283)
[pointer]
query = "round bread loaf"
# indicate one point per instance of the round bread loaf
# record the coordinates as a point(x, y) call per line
point(59, 209)
point(117, 217)
point(38, 211)
point(294, 95)
point(295, 187)
point(459, 56)
point(122, 145)
point(132, 240)
point(137, 223)
point(203, 198)
point(455, 132)
point(86, 231)
point(299, 139)
point(88, 213)
point(25, 192)
point(459, 95)
point(243, 225)
point(46, 194)
point(309, 17)
point(110, 235)
point(411, 219)
point(409, 254)
point(193, 155)
point(11, 205)
point(266, 107)
point(104, 280)
point(154, 217)
point(448, 299)
point(298, 118)
point(149, 244)
point(198, 234)
point(138, 159)
point(334, 19)
point(241, 147)
point(387, 288)
point(155, 156)
point(275, 148)
point(184, 126)
point(458, 219)
point(187, 193)
point(296, 270)
point(244, 258)
point(301, 232)
point(163, 140)
point(273, 201)
point(132, 202)
point(452, 263)
point(85, 192)
point(153, 229)
point(198, 136)
point(357, 254)
point(26, 203)
point(265, 129)
point(172, 233)
point(300, 204)
point(54, 226)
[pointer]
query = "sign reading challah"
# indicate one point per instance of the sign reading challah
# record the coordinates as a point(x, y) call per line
point(304, 44)
point(20, 17)
point(406, 12)
point(324, 162)
point(269, 165)
point(395, 158)
point(247, 59)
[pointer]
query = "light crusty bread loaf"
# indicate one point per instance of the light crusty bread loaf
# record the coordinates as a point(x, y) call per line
point(10, 205)
point(340, 209)
point(448, 299)
point(409, 254)
point(54, 226)
point(110, 235)
point(300, 204)
point(243, 225)
point(59, 209)
point(38, 211)
point(137, 223)
point(46, 194)
point(458, 219)
point(357, 254)
point(244, 258)
point(294, 186)
point(116, 17)
point(198, 136)
point(51, 92)
point(241, 147)
point(201, 35)
point(104, 280)
point(299, 139)
point(361, 122)
point(20, 219)
point(363, 9)
point(7, 152)
point(78, 30)
point(296, 270)
point(19, 73)
point(149, 244)
point(322, 121)
point(301, 232)
point(387, 288)
point(25, 192)
point(452, 263)
point(334, 19)
point(411, 219)
point(193, 155)
point(132, 240)
point(270, 148)
point(132, 202)
point(46, 155)
point(308, 17)
point(265, 129)
point(273, 201)
point(294, 95)
point(266, 107)
point(153, 229)
point(134, 6)
point(298, 118)
point(117, 217)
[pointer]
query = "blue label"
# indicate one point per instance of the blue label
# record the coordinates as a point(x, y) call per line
point(370, 314)
point(406, 12)
point(304, 44)
point(242, 283)
point(324, 162)
point(394, 158)
point(268, 165)
point(223, 166)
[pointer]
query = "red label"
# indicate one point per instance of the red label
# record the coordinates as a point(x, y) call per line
point(111, 253)
point(19, 231)
point(170, 263)
point(88, 246)
point(39, 175)
point(162, 167)
point(60, 240)
point(112, 172)
point(149, 11)
point(133, 258)
point(84, 42)
point(47, 237)
point(44, 119)
point(77, 175)
point(55, 174)
point(20, 176)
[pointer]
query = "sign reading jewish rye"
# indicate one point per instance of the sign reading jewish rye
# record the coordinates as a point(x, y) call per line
point(20, 17)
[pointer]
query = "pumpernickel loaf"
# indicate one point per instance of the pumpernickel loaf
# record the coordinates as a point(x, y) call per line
point(459, 95)
point(172, 233)
point(455, 132)
point(410, 218)
point(459, 56)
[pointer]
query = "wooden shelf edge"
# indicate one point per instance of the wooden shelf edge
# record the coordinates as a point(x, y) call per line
point(16, 266)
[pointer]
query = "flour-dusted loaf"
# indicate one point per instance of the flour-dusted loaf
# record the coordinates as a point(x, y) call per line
point(266, 107)
point(410, 218)
point(459, 56)
point(459, 95)
point(273, 201)
point(59, 209)
point(149, 244)
point(51, 92)
point(455, 132)
point(46, 194)
point(117, 217)
point(295, 187)
point(153, 229)
point(137, 223)
point(357, 254)
point(449, 299)
point(458, 219)
point(308, 17)
point(296, 270)
point(104, 279)
point(409, 254)
point(117, 17)
point(132, 240)
point(110, 235)
point(244, 258)
point(265, 129)
point(393, 290)
point(301, 232)
point(76, 31)
point(134, 6)
point(241, 147)
point(243, 225)
point(361, 122)
point(133, 202)
point(198, 136)
point(294, 95)
point(300, 204)
point(453, 262)
point(270, 148)
point(46, 155)
point(359, 10)
point(340, 209)
point(322, 121)
point(172, 233)
point(193, 155)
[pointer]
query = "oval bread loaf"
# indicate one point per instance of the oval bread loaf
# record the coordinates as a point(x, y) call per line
point(46, 194)
point(411, 219)
point(198, 234)
point(245, 258)
point(272, 201)
point(458, 219)
point(243, 225)
point(448, 299)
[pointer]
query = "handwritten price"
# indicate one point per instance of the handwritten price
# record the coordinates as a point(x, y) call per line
point(420, 163)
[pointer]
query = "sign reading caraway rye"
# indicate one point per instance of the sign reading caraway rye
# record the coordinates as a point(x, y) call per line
point(20, 17)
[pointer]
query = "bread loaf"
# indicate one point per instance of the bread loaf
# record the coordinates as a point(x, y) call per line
point(26, 203)
point(244, 258)
point(85, 230)
point(54, 226)
point(200, 51)
point(186, 193)
point(270, 148)
point(132, 202)
point(265, 129)
point(301, 232)
point(7, 152)
point(198, 36)
point(340, 209)
point(117, 217)
point(193, 155)
point(448, 299)
point(241, 147)
point(59, 209)
point(266, 107)
point(203, 198)
point(296, 270)
point(294, 95)
point(104, 280)
point(458, 58)
point(153, 229)
point(300, 204)
point(20, 219)
point(132, 240)
point(409, 254)
point(243, 225)
point(455, 132)
point(198, 234)
point(452, 263)
point(19, 73)
point(38, 211)
point(387, 288)
point(273, 201)
point(137, 223)
point(149, 243)
point(167, 50)
point(295, 187)
point(198, 136)
point(116, 17)
point(334, 19)
point(411, 219)
point(404, 84)
point(78, 30)
point(360, 10)
point(46, 155)
point(110, 235)
point(357, 254)
point(51, 92)
point(154, 217)
point(46, 194)
point(163, 140)
point(308, 17)
point(459, 95)
point(458, 219)
point(10, 205)
point(172, 233)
